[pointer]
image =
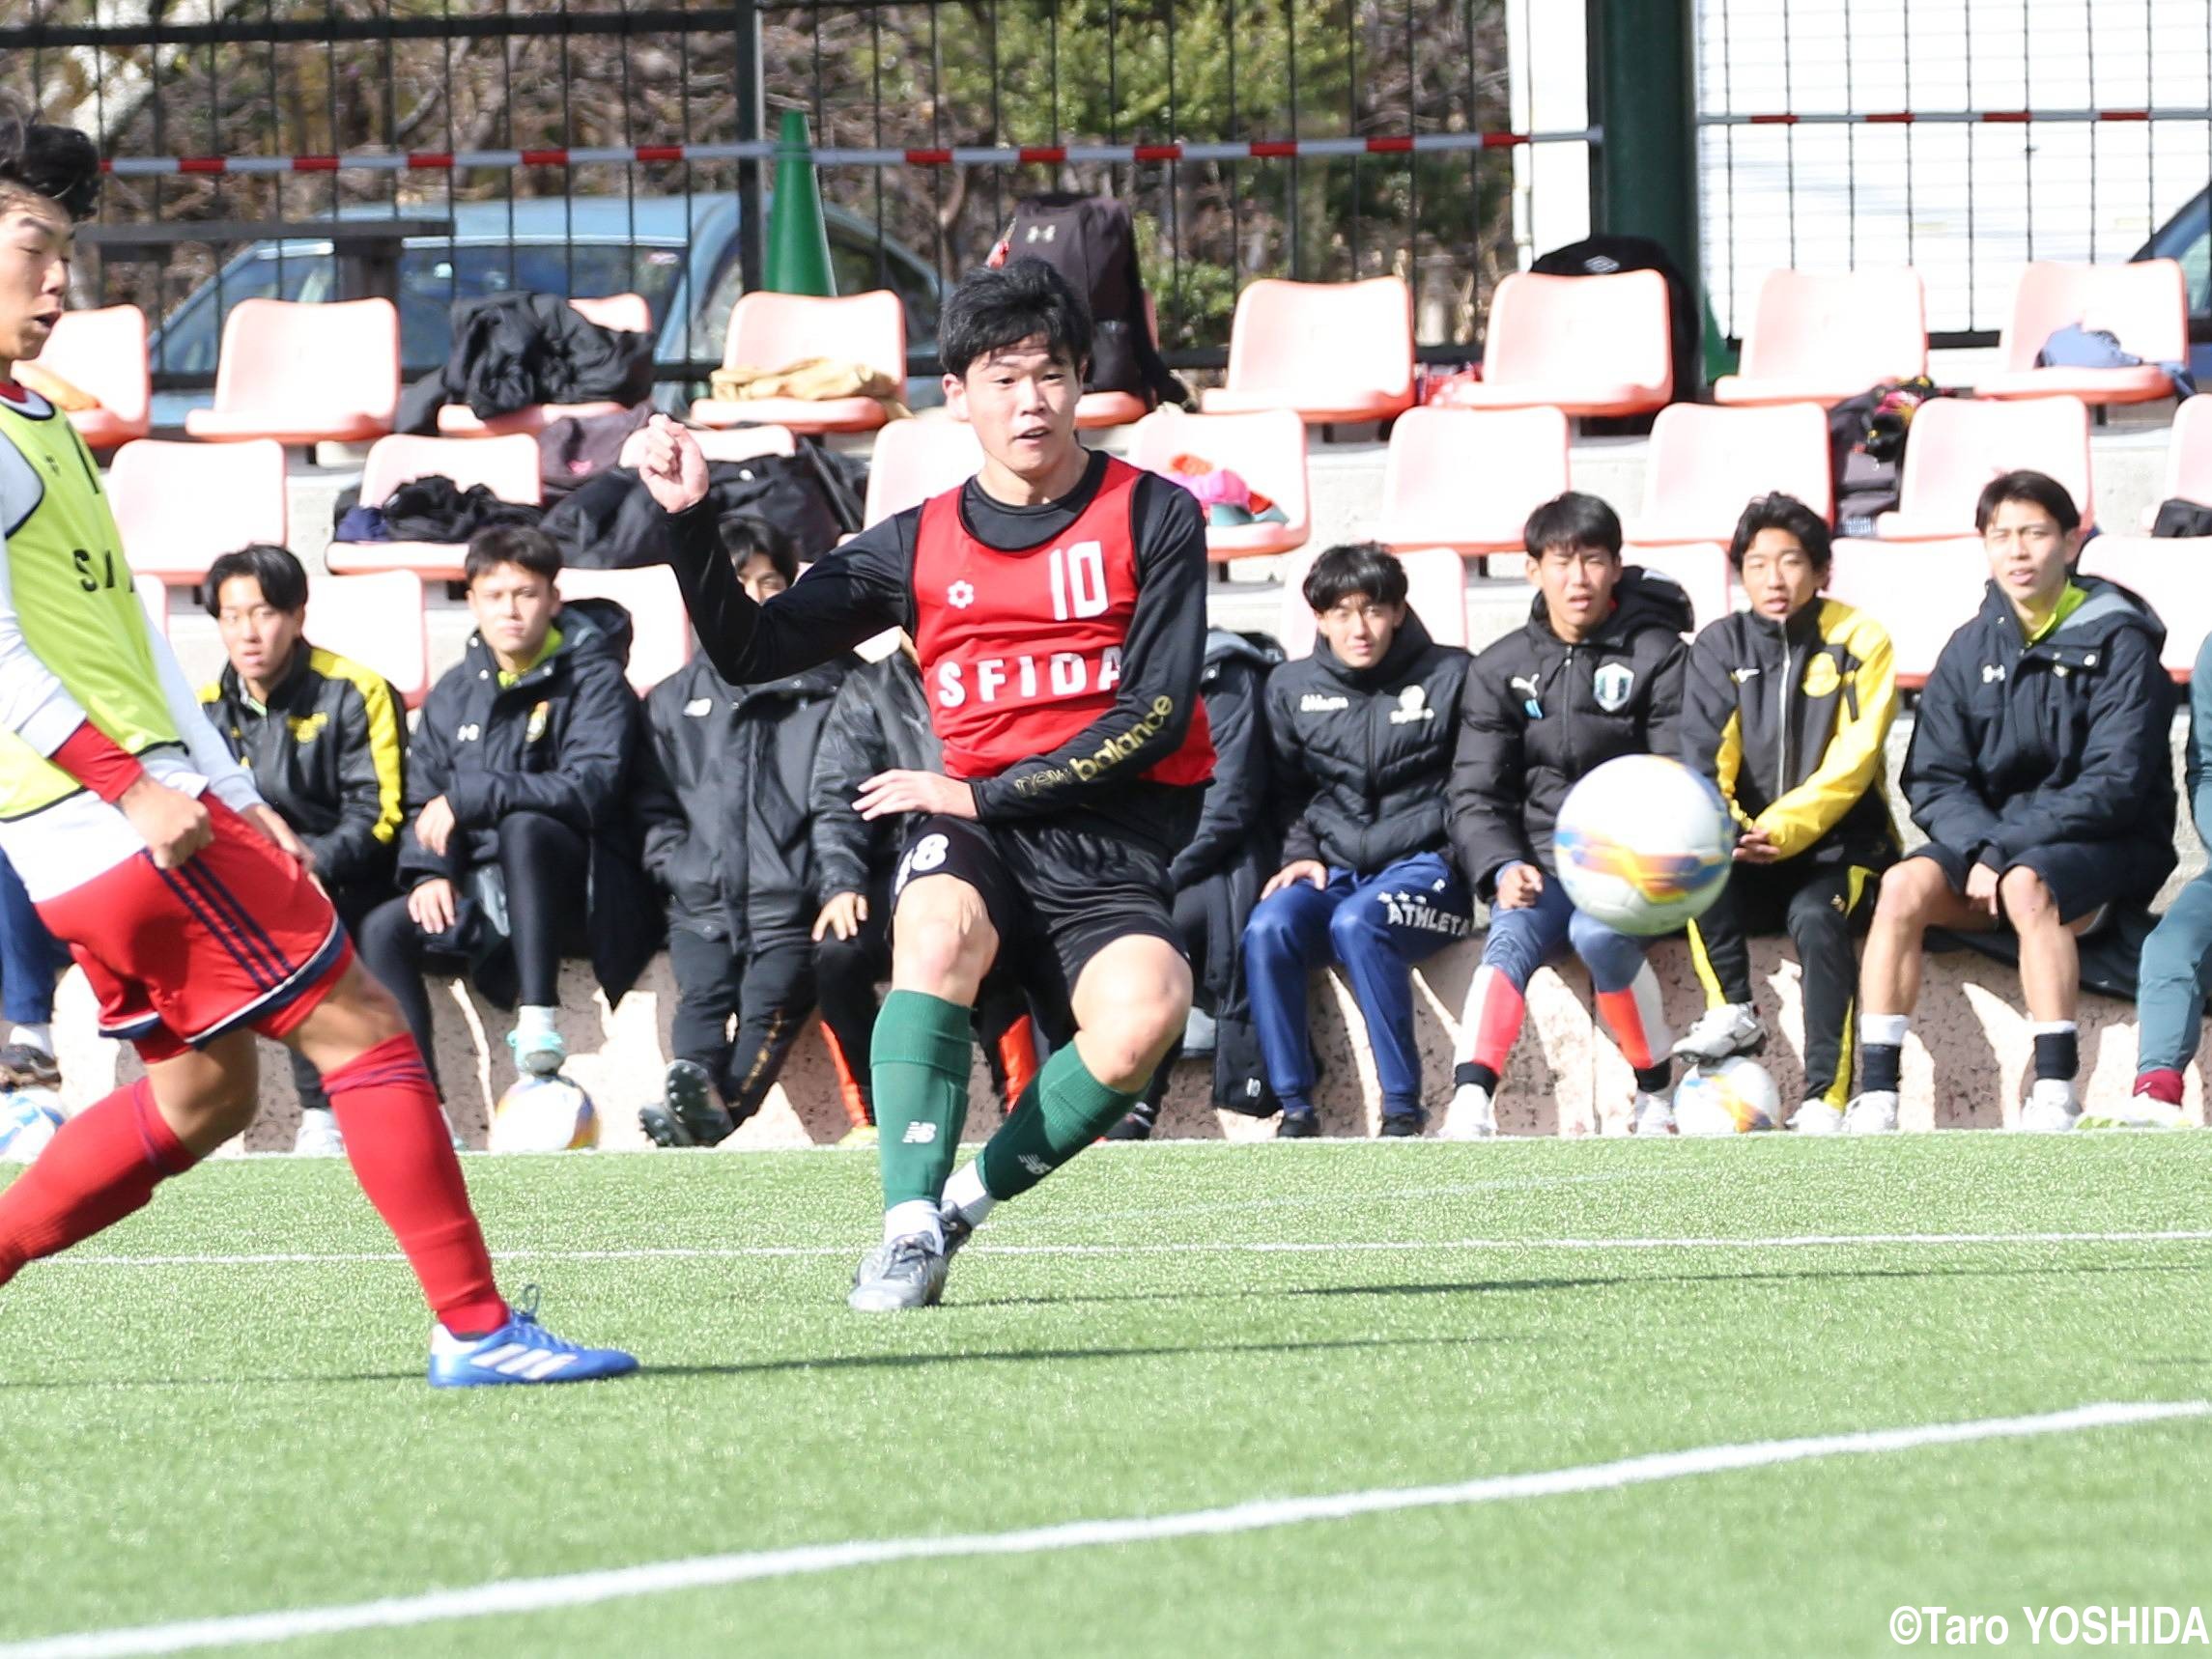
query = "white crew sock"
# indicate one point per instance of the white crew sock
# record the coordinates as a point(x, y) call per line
point(40, 1037)
point(1887, 1028)
point(534, 1021)
point(965, 1193)
point(914, 1216)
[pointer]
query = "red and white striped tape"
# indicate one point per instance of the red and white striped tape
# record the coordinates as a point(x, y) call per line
point(1950, 117)
point(830, 156)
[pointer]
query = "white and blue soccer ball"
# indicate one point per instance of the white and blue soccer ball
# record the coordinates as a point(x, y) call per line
point(1644, 844)
point(1736, 1097)
point(545, 1115)
point(28, 1120)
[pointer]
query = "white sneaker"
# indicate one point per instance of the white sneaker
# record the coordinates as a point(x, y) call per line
point(1818, 1117)
point(1874, 1113)
point(2050, 1108)
point(2139, 1112)
point(1471, 1116)
point(318, 1135)
point(1654, 1114)
point(1722, 1034)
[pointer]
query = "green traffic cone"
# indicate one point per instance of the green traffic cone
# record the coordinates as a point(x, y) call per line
point(798, 255)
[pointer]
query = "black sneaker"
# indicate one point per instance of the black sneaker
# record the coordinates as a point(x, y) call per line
point(687, 1114)
point(21, 1066)
point(1403, 1125)
point(1298, 1126)
point(1137, 1126)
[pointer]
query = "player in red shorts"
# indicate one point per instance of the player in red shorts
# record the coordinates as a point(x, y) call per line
point(1057, 601)
point(188, 902)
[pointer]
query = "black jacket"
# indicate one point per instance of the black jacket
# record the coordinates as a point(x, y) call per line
point(728, 774)
point(2067, 740)
point(1539, 712)
point(330, 754)
point(1791, 721)
point(879, 722)
point(560, 740)
point(1235, 826)
point(513, 349)
point(1361, 755)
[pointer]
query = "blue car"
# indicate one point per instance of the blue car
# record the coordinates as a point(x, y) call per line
point(680, 254)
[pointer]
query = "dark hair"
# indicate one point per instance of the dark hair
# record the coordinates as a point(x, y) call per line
point(1024, 299)
point(1788, 515)
point(524, 544)
point(57, 162)
point(1354, 568)
point(1573, 520)
point(282, 578)
point(2036, 489)
point(745, 535)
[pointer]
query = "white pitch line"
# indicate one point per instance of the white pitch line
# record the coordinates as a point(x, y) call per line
point(521, 1596)
point(1245, 1247)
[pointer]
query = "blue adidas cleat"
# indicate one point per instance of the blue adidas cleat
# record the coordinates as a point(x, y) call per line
point(519, 1351)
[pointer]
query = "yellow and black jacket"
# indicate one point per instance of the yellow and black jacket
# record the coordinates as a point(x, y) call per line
point(1790, 720)
point(328, 753)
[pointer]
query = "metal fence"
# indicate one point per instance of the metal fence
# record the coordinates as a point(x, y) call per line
point(1962, 137)
point(436, 148)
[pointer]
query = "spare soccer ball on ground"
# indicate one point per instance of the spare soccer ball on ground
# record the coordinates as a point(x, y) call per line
point(1644, 844)
point(28, 1120)
point(1736, 1097)
point(545, 1115)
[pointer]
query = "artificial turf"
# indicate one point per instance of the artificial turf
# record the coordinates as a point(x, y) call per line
point(183, 1437)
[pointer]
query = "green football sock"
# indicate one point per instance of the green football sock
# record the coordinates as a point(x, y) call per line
point(920, 1067)
point(1062, 1112)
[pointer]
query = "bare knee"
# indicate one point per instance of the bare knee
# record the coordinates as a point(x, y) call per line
point(942, 940)
point(1130, 1013)
point(2029, 904)
point(1909, 893)
point(355, 1014)
point(209, 1095)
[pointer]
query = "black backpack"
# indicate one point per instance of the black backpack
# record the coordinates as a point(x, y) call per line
point(1091, 241)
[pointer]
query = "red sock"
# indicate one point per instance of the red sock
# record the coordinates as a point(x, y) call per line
point(402, 1156)
point(1495, 1012)
point(2162, 1084)
point(101, 1166)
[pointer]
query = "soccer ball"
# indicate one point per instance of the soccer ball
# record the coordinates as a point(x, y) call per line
point(28, 1120)
point(545, 1115)
point(1643, 844)
point(1735, 1097)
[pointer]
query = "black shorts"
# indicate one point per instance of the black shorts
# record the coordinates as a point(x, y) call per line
point(2084, 876)
point(1056, 895)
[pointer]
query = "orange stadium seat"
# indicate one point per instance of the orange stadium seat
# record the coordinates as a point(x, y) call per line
point(661, 631)
point(1267, 449)
point(775, 331)
point(103, 353)
point(1705, 463)
point(745, 442)
point(2144, 305)
point(1700, 566)
point(1959, 444)
point(1468, 479)
point(377, 620)
point(507, 466)
point(2187, 458)
point(914, 460)
point(304, 374)
point(1922, 592)
point(182, 506)
point(1821, 337)
point(1585, 344)
point(625, 312)
point(1334, 351)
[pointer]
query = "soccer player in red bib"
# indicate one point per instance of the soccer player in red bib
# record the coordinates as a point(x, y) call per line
point(187, 901)
point(1058, 604)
